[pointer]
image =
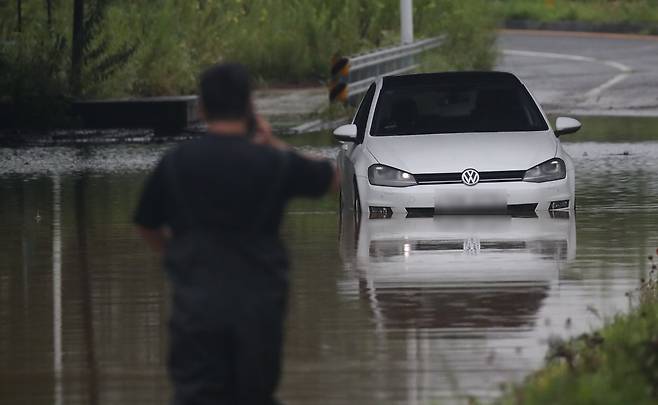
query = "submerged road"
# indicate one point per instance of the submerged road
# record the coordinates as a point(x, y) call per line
point(400, 311)
point(585, 73)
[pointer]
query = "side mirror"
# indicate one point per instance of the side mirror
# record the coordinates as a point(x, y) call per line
point(346, 133)
point(566, 125)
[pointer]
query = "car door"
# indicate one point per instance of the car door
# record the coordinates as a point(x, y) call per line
point(350, 151)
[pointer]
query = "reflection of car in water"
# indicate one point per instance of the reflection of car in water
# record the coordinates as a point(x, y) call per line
point(454, 142)
point(455, 271)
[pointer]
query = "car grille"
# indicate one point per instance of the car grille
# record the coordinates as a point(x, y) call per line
point(485, 177)
point(514, 210)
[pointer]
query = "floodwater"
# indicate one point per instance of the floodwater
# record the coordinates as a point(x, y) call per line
point(408, 311)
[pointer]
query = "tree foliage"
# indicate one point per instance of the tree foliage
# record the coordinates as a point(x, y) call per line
point(157, 47)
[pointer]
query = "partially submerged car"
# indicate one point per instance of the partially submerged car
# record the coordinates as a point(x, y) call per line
point(441, 274)
point(455, 142)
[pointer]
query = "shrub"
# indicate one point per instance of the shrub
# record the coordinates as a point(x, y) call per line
point(470, 31)
point(158, 47)
point(34, 79)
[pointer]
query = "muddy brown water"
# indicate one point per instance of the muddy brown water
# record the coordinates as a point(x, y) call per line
point(408, 311)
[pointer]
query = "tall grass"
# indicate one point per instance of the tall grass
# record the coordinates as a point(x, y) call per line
point(617, 365)
point(598, 11)
point(33, 67)
point(281, 41)
point(470, 34)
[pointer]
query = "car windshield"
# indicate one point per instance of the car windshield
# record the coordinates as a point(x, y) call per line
point(453, 103)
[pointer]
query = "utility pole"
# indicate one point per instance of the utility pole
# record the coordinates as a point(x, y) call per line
point(406, 22)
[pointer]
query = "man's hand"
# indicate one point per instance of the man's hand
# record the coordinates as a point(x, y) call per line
point(264, 136)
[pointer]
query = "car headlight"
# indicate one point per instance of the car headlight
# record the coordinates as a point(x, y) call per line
point(550, 170)
point(380, 175)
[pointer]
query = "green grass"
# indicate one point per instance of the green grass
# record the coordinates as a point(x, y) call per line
point(281, 41)
point(595, 11)
point(616, 365)
point(289, 42)
point(614, 129)
point(470, 35)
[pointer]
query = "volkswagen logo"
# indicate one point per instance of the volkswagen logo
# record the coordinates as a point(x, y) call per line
point(470, 177)
point(472, 246)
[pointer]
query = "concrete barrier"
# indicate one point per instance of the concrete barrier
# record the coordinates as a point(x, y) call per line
point(160, 113)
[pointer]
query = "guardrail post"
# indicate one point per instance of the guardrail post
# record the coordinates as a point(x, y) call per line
point(340, 70)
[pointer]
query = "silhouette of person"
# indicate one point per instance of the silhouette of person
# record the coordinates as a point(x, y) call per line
point(213, 207)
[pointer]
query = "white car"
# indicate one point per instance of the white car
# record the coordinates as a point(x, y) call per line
point(454, 250)
point(455, 142)
point(454, 270)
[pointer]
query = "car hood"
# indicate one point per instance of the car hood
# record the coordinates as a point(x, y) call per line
point(452, 153)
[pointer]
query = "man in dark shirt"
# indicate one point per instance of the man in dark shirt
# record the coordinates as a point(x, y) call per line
point(213, 207)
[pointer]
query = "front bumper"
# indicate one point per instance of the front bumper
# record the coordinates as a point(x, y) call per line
point(428, 196)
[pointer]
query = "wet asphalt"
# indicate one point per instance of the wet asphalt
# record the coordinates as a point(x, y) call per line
point(584, 73)
point(400, 311)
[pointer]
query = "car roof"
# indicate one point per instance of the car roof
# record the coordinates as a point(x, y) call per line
point(469, 77)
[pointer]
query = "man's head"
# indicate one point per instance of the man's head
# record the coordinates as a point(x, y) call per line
point(225, 92)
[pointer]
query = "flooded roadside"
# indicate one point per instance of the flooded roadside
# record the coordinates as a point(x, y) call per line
point(383, 311)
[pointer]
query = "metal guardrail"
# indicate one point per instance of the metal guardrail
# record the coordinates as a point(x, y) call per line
point(367, 67)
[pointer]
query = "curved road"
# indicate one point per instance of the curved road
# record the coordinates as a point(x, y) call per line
point(568, 72)
point(585, 73)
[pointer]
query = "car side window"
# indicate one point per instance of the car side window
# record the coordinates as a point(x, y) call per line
point(361, 117)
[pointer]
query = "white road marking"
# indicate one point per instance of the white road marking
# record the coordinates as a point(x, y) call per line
point(551, 55)
point(619, 66)
point(594, 93)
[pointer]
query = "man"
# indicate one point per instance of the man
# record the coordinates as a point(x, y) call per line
point(213, 207)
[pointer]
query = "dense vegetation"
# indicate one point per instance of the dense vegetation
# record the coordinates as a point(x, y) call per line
point(595, 11)
point(157, 47)
point(617, 365)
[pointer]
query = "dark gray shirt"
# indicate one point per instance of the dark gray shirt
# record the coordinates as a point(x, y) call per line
point(224, 198)
point(226, 184)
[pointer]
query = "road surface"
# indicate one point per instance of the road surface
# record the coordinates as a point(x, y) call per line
point(585, 73)
point(568, 72)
